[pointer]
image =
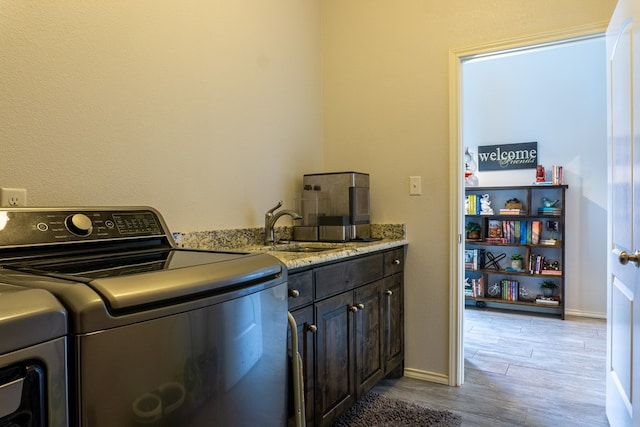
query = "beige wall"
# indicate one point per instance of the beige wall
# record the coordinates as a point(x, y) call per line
point(386, 112)
point(208, 110)
point(211, 110)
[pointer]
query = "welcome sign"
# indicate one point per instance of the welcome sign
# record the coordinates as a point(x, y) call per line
point(508, 156)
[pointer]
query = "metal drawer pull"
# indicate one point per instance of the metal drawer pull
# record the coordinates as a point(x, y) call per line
point(353, 308)
point(360, 306)
point(312, 328)
point(294, 293)
point(388, 292)
point(396, 261)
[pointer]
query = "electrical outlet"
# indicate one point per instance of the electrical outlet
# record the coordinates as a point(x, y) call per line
point(13, 197)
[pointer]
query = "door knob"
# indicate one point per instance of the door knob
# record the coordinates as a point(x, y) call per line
point(625, 257)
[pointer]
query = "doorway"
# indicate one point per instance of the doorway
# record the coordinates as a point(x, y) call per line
point(548, 92)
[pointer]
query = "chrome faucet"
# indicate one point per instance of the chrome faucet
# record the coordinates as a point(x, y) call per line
point(270, 219)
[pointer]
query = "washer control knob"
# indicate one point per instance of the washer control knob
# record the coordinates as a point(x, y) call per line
point(79, 224)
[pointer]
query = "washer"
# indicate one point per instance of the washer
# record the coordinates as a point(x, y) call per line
point(33, 359)
point(157, 335)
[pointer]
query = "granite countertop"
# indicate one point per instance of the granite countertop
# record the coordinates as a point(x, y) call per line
point(286, 252)
point(293, 254)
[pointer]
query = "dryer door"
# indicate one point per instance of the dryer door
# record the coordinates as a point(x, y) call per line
point(22, 396)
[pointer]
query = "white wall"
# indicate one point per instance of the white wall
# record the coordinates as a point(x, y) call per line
point(208, 110)
point(557, 97)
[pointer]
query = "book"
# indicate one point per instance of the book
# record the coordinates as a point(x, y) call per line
point(545, 301)
point(523, 232)
point(505, 211)
point(495, 228)
point(556, 175)
point(536, 228)
point(550, 242)
point(468, 259)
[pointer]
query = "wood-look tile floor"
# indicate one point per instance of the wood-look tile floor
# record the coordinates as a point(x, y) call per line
point(521, 370)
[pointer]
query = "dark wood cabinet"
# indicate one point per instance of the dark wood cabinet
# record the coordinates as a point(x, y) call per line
point(351, 331)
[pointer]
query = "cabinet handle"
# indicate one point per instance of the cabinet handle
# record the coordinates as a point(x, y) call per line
point(294, 293)
point(396, 262)
point(312, 328)
point(360, 306)
point(353, 308)
point(388, 292)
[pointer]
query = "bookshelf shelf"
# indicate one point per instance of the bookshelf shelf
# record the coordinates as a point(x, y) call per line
point(536, 233)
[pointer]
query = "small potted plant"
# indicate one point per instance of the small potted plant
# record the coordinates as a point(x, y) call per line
point(516, 261)
point(548, 287)
point(473, 231)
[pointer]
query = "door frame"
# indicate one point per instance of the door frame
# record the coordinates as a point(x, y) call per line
point(456, 181)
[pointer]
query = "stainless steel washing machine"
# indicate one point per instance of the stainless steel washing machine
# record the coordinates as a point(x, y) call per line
point(158, 335)
point(33, 375)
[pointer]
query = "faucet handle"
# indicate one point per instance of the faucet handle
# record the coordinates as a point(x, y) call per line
point(270, 211)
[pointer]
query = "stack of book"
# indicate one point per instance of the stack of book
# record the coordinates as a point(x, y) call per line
point(474, 288)
point(556, 175)
point(536, 265)
point(472, 204)
point(550, 211)
point(547, 300)
point(505, 211)
point(509, 232)
point(473, 259)
point(510, 289)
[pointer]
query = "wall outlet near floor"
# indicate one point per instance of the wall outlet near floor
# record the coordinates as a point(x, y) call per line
point(13, 197)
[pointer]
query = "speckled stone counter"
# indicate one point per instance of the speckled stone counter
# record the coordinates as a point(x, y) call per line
point(310, 253)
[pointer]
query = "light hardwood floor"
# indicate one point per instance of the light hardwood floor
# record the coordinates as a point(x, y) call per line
point(521, 370)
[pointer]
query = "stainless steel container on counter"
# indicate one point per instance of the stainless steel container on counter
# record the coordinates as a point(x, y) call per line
point(348, 196)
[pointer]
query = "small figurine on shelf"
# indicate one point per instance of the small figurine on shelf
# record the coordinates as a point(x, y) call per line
point(485, 205)
point(470, 179)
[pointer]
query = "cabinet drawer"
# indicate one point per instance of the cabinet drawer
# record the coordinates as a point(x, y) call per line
point(393, 261)
point(300, 289)
point(343, 276)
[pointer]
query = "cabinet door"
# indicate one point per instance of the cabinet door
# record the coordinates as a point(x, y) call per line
point(368, 337)
point(393, 319)
point(307, 350)
point(335, 376)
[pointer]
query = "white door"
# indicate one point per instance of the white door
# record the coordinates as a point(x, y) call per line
point(623, 293)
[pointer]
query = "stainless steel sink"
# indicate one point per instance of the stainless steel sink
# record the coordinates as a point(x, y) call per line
point(309, 248)
point(301, 249)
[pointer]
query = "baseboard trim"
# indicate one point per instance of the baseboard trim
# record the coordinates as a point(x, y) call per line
point(431, 377)
point(589, 314)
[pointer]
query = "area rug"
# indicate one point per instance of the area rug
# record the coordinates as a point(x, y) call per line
point(375, 410)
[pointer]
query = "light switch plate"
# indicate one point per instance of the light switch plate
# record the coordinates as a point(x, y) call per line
point(415, 185)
